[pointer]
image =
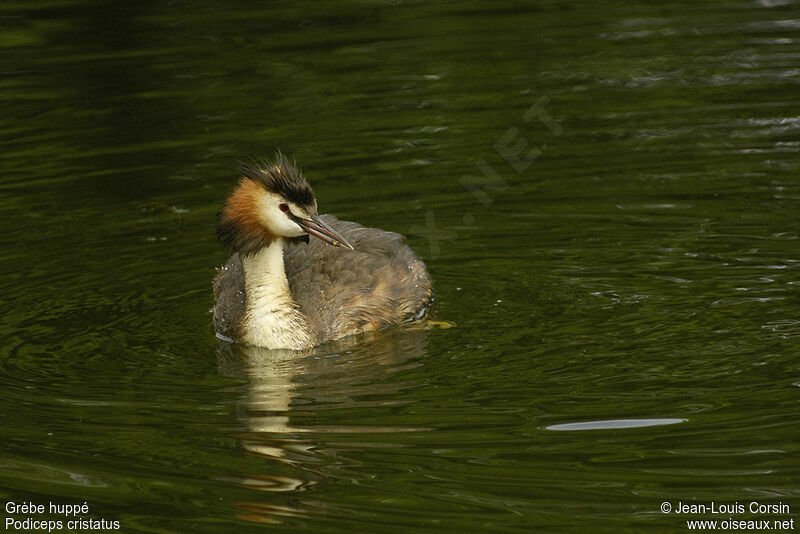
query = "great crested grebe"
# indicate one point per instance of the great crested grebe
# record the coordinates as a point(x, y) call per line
point(282, 290)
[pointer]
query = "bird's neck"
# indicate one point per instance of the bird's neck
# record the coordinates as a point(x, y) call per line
point(273, 318)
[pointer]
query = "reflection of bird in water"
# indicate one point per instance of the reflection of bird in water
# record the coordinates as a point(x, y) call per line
point(293, 408)
point(281, 289)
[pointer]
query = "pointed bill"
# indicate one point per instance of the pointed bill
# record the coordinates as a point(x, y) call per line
point(320, 229)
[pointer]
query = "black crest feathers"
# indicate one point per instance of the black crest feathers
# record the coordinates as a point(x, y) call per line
point(282, 177)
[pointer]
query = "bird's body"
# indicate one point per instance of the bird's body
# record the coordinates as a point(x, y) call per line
point(289, 291)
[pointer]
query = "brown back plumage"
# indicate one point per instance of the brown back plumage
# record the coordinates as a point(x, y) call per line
point(342, 292)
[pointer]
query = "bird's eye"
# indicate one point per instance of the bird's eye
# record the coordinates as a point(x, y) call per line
point(284, 208)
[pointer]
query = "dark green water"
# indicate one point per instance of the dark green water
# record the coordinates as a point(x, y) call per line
point(607, 196)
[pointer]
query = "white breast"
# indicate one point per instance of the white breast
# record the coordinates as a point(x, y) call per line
point(273, 319)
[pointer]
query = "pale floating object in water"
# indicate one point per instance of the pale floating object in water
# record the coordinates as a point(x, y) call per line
point(613, 424)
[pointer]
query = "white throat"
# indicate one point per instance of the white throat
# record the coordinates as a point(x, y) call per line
point(273, 319)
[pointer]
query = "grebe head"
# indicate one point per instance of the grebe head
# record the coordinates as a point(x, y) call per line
point(272, 201)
